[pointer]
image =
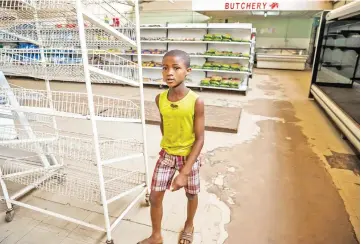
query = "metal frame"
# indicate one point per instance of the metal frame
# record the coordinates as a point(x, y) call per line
point(90, 158)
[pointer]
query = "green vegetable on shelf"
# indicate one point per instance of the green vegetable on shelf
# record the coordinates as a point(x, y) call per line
point(225, 83)
point(244, 69)
point(207, 65)
point(225, 67)
point(235, 67)
point(205, 82)
point(226, 37)
point(217, 37)
point(196, 67)
point(234, 84)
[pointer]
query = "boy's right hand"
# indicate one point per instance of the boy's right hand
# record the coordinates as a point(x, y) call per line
point(179, 182)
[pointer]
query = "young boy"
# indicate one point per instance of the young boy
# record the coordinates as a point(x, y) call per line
point(182, 127)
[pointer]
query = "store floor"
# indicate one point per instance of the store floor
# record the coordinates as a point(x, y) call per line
point(348, 99)
point(286, 177)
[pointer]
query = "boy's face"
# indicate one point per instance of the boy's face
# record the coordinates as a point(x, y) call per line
point(174, 71)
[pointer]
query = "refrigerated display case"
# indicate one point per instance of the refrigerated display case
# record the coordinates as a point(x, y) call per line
point(335, 83)
point(281, 58)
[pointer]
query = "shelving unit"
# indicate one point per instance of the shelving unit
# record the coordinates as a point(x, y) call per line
point(192, 38)
point(72, 41)
point(111, 60)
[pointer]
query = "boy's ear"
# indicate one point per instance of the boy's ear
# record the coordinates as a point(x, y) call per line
point(189, 70)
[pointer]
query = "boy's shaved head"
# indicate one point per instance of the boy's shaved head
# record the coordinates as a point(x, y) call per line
point(180, 54)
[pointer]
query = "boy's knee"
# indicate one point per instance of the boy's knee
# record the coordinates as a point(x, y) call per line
point(156, 199)
point(191, 196)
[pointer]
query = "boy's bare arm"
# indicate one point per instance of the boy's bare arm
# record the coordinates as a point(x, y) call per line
point(182, 179)
point(199, 134)
point(161, 118)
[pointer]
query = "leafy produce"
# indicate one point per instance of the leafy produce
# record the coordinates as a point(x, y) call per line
point(225, 67)
point(218, 81)
point(206, 82)
point(226, 37)
point(217, 37)
point(235, 67)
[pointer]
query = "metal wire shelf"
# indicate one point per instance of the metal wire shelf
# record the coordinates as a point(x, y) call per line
point(69, 104)
point(70, 164)
point(67, 65)
point(56, 5)
point(71, 180)
point(73, 146)
point(53, 23)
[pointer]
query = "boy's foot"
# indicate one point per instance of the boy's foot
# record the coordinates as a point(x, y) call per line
point(186, 236)
point(151, 240)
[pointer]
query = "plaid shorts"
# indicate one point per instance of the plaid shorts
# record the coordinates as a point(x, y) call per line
point(165, 169)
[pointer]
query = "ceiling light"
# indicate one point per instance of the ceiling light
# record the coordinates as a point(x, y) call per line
point(266, 13)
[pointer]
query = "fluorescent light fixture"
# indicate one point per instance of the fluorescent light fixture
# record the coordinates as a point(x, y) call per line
point(171, 1)
point(266, 13)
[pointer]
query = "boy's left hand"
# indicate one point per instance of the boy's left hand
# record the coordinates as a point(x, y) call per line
point(179, 182)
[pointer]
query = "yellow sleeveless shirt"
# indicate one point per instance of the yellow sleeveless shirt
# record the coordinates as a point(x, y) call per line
point(178, 120)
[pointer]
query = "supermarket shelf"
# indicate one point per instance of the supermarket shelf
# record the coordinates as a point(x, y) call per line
point(70, 104)
point(74, 179)
point(208, 70)
point(67, 145)
point(343, 48)
point(192, 56)
point(196, 42)
point(67, 65)
point(241, 87)
point(190, 27)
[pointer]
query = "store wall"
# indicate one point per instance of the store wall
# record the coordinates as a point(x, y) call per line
point(281, 31)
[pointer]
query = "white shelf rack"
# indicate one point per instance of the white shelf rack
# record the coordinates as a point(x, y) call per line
point(72, 146)
point(191, 55)
point(72, 39)
point(158, 39)
point(70, 104)
point(67, 65)
point(242, 86)
point(208, 70)
point(196, 42)
point(72, 180)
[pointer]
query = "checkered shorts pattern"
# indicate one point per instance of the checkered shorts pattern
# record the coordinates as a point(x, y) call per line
point(165, 169)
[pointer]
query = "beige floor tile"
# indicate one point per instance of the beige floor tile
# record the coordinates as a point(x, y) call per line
point(12, 232)
point(128, 232)
point(72, 241)
point(43, 235)
point(85, 234)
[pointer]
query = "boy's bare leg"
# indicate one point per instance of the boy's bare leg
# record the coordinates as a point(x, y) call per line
point(156, 213)
point(191, 212)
